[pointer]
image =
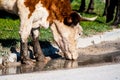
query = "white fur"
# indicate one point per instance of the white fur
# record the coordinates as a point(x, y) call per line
point(40, 16)
point(8, 5)
point(37, 19)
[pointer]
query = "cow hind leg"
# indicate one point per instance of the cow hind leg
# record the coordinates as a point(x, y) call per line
point(39, 56)
point(82, 6)
point(90, 7)
point(117, 17)
point(24, 53)
point(24, 34)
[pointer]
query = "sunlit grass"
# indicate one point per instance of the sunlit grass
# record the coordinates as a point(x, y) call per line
point(97, 26)
point(9, 29)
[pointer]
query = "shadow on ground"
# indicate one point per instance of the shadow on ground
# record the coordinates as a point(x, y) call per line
point(47, 48)
point(4, 15)
point(8, 42)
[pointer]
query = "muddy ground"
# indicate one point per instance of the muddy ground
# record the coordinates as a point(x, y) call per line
point(104, 53)
point(102, 48)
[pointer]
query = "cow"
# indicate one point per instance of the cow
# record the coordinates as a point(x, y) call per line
point(56, 14)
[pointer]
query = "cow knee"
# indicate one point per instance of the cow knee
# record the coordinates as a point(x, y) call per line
point(24, 36)
point(35, 33)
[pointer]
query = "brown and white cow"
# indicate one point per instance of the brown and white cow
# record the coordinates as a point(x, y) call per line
point(34, 14)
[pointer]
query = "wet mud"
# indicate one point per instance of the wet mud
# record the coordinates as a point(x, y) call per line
point(105, 53)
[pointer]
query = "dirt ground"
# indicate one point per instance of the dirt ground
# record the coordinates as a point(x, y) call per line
point(95, 55)
point(100, 54)
point(102, 48)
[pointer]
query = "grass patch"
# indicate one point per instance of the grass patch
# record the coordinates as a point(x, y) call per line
point(9, 28)
point(46, 35)
point(97, 26)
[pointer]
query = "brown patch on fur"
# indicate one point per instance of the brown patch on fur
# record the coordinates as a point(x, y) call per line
point(0, 2)
point(58, 9)
point(31, 4)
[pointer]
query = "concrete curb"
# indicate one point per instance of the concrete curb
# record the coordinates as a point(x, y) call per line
point(95, 39)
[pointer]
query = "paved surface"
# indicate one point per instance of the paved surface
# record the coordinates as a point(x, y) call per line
point(95, 39)
point(107, 72)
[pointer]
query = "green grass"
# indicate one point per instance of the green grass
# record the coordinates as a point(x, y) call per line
point(97, 26)
point(46, 35)
point(9, 28)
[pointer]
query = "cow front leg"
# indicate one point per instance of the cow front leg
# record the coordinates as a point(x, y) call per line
point(39, 56)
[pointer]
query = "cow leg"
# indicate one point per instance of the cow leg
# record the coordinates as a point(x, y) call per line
point(90, 7)
point(24, 52)
point(117, 17)
point(82, 6)
point(107, 3)
point(36, 45)
point(110, 10)
point(25, 29)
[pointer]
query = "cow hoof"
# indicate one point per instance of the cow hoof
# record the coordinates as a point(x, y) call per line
point(47, 59)
point(28, 62)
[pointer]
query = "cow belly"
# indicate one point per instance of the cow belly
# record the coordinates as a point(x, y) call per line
point(9, 6)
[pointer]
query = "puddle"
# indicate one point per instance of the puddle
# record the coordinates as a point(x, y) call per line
point(56, 64)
